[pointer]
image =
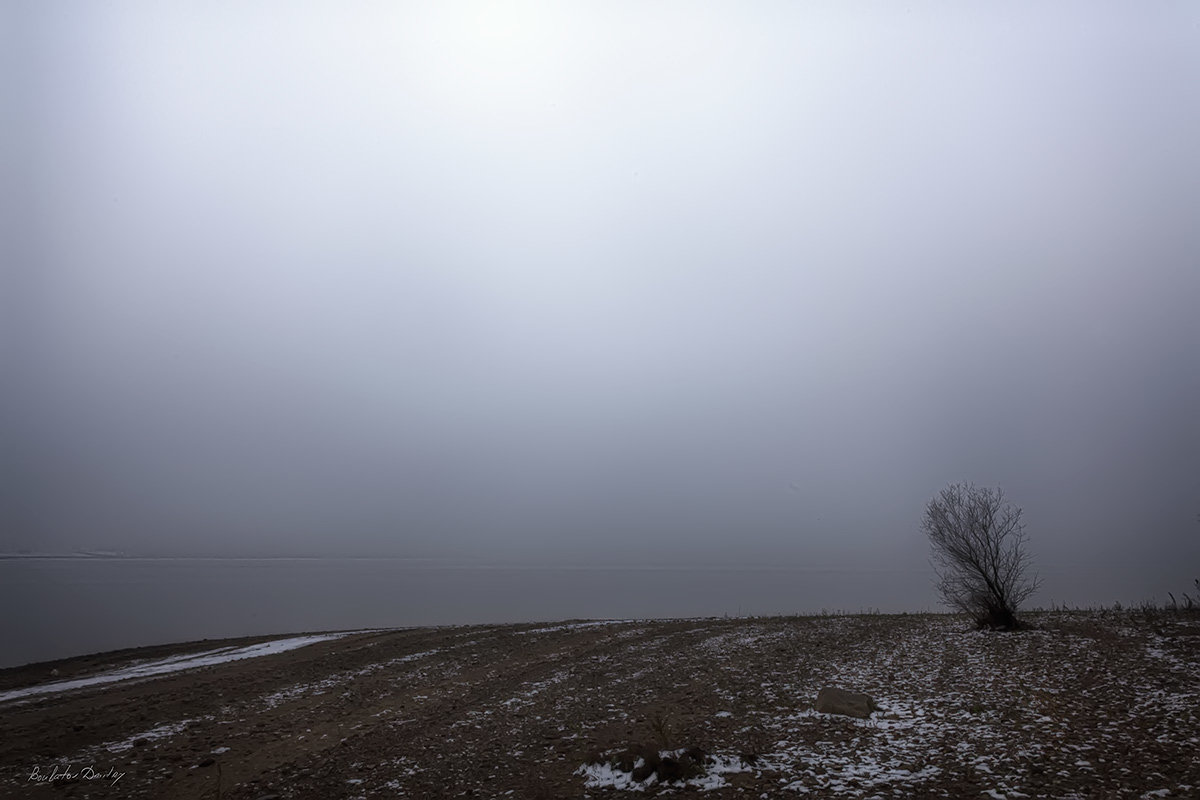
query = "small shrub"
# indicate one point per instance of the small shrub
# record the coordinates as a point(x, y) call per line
point(757, 745)
point(1190, 604)
point(660, 726)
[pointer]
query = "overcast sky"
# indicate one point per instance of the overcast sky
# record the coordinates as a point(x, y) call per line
point(600, 281)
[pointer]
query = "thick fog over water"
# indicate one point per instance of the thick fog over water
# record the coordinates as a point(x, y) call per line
point(611, 283)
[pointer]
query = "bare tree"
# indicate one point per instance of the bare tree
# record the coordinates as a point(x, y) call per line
point(979, 553)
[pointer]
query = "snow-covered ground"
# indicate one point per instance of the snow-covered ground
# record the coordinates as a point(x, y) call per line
point(1008, 715)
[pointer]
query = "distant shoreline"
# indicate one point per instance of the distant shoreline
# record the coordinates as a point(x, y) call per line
point(467, 563)
point(18, 556)
point(129, 557)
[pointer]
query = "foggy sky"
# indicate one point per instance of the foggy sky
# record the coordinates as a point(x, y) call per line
point(616, 282)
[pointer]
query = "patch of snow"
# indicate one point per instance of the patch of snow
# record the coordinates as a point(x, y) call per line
point(164, 666)
point(607, 776)
point(164, 731)
point(566, 626)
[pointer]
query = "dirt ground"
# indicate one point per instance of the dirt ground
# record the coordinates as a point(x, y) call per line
point(1086, 705)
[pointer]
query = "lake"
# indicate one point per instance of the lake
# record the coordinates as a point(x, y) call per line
point(59, 607)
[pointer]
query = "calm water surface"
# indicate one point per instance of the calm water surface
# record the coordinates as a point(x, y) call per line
point(61, 607)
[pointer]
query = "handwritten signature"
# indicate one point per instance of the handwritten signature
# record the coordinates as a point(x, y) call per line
point(88, 773)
